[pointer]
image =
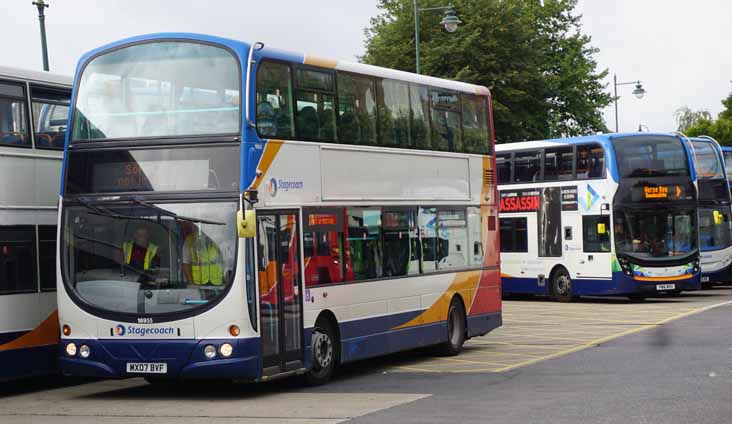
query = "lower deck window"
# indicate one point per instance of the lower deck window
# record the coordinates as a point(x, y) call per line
point(514, 237)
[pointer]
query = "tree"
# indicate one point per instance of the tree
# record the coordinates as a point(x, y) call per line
point(720, 129)
point(687, 118)
point(537, 63)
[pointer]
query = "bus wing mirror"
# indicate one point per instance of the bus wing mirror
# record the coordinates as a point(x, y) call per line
point(245, 223)
point(601, 228)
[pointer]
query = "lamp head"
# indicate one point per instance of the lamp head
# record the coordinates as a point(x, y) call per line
point(450, 21)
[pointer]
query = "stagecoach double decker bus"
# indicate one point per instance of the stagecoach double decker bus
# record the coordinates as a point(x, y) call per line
point(715, 227)
point(598, 215)
point(33, 117)
point(230, 210)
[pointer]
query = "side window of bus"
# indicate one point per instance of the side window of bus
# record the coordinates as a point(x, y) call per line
point(590, 161)
point(558, 164)
point(365, 243)
point(13, 118)
point(420, 101)
point(514, 237)
point(475, 227)
point(315, 118)
point(400, 242)
point(504, 165)
point(47, 256)
point(527, 167)
point(17, 259)
point(393, 100)
point(452, 239)
point(356, 109)
point(427, 223)
point(446, 131)
point(274, 100)
point(475, 124)
point(50, 113)
point(596, 233)
point(326, 260)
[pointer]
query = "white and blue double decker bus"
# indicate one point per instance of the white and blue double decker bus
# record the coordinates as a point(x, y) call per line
point(235, 211)
point(34, 110)
point(611, 214)
point(715, 227)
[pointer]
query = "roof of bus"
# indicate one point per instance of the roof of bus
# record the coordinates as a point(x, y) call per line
point(242, 50)
point(34, 76)
point(597, 138)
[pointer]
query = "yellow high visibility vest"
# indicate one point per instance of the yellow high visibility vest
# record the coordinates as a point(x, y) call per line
point(150, 253)
point(205, 262)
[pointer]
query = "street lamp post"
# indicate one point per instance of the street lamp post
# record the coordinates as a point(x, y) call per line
point(450, 21)
point(639, 92)
point(41, 5)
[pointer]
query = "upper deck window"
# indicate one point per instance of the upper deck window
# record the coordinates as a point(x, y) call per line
point(13, 120)
point(639, 157)
point(161, 89)
point(708, 164)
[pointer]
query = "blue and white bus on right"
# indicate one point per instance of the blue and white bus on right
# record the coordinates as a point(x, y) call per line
point(610, 214)
point(715, 225)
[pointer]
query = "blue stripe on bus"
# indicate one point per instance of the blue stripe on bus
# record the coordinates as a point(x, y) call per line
point(620, 284)
point(10, 336)
point(28, 362)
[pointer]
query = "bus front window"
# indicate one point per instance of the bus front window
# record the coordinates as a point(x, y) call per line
point(655, 233)
point(147, 258)
point(161, 89)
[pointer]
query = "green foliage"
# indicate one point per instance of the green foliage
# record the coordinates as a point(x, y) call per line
point(720, 129)
point(538, 64)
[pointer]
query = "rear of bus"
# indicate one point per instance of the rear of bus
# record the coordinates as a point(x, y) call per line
point(654, 215)
point(715, 227)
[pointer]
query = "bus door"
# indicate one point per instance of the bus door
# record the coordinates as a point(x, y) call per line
point(280, 291)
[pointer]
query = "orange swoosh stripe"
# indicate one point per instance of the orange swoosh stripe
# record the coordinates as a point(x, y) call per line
point(47, 333)
point(270, 152)
point(674, 278)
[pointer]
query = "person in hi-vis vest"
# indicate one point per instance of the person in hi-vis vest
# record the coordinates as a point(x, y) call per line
point(202, 260)
point(139, 253)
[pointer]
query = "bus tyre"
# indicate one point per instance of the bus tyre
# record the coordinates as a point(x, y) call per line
point(323, 347)
point(455, 329)
point(562, 285)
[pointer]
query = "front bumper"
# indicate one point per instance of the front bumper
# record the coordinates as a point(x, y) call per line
point(184, 358)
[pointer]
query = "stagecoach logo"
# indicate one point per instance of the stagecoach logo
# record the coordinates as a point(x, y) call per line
point(272, 187)
point(121, 330)
point(276, 186)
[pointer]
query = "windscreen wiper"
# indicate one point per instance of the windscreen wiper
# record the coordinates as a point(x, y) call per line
point(175, 215)
point(96, 210)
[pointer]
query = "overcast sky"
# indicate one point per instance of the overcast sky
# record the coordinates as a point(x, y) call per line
point(678, 49)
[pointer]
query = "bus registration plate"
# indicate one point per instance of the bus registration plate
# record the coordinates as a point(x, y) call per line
point(147, 367)
point(660, 287)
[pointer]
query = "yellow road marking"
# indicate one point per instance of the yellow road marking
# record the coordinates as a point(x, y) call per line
point(500, 364)
point(611, 337)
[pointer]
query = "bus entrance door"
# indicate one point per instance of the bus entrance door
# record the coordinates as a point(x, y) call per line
point(280, 299)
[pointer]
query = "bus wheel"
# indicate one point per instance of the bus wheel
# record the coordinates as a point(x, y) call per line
point(455, 328)
point(562, 285)
point(324, 354)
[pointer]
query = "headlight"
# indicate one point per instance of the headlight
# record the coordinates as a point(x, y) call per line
point(209, 351)
point(226, 350)
point(84, 351)
point(71, 349)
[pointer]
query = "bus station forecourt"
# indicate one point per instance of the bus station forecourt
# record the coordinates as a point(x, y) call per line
point(219, 219)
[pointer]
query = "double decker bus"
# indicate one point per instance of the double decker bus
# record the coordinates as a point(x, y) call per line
point(33, 117)
point(610, 214)
point(231, 210)
point(715, 228)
